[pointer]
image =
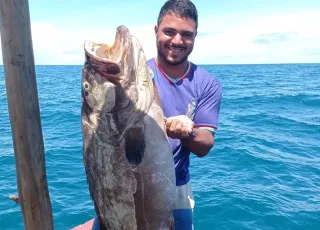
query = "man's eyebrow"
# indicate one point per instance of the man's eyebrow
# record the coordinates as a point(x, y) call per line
point(181, 31)
point(169, 28)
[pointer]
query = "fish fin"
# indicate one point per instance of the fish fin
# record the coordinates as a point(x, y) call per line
point(135, 145)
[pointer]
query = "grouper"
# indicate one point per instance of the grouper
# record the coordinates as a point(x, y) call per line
point(126, 153)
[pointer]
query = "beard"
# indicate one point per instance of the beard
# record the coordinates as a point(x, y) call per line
point(165, 58)
point(162, 54)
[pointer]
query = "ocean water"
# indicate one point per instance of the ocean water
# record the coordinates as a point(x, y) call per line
point(263, 172)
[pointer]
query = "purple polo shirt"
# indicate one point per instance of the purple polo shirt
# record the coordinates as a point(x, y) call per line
point(196, 94)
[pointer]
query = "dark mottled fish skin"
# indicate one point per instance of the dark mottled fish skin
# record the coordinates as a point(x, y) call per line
point(126, 153)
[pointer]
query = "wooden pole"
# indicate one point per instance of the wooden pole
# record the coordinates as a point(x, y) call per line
point(22, 94)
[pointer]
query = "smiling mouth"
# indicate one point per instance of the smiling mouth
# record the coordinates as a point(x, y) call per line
point(175, 49)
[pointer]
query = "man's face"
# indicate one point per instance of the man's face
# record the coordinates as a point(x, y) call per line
point(175, 38)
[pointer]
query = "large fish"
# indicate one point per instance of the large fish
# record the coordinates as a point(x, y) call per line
point(126, 153)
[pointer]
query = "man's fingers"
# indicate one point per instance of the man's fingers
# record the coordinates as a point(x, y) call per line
point(178, 129)
point(168, 122)
point(168, 128)
point(173, 125)
point(174, 128)
point(185, 132)
point(171, 128)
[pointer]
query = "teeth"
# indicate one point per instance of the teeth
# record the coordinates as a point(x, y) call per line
point(175, 49)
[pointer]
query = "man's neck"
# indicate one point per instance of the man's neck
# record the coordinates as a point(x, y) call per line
point(173, 71)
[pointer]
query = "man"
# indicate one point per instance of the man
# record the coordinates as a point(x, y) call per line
point(184, 89)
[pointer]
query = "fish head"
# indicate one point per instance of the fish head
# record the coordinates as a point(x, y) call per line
point(115, 75)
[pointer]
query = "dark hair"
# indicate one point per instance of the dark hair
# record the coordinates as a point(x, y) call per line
point(181, 8)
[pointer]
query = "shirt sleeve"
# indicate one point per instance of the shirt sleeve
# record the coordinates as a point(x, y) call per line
point(151, 72)
point(208, 108)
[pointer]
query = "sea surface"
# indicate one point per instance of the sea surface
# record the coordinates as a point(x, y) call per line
point(263, 172)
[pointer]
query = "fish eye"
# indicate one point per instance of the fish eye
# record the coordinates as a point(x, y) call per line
point(86, 86)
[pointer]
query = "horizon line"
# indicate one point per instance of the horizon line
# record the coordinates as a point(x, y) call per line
point(275, 63)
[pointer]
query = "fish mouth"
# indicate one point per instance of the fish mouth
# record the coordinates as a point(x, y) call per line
point(106, 59)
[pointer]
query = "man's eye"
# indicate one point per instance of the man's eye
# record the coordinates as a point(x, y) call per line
point(187, 35)
point(168, 32)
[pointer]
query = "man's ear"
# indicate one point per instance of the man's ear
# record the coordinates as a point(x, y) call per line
point(156, 29)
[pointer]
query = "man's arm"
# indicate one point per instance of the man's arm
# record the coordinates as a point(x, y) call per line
point(201, 144)
point(180, 127)
point(206, 117)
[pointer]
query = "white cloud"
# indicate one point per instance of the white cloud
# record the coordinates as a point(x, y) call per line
point(58, 45)
point(236, 42)
point(221, 40)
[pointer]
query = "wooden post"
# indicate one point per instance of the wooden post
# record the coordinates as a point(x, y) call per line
point(22, 94)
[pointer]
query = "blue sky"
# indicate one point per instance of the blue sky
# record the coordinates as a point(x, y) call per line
point(230, 32)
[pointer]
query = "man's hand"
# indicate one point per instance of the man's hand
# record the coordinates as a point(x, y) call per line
point(179, 127)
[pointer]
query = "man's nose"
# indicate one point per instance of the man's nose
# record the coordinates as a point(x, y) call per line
point(177, 39)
